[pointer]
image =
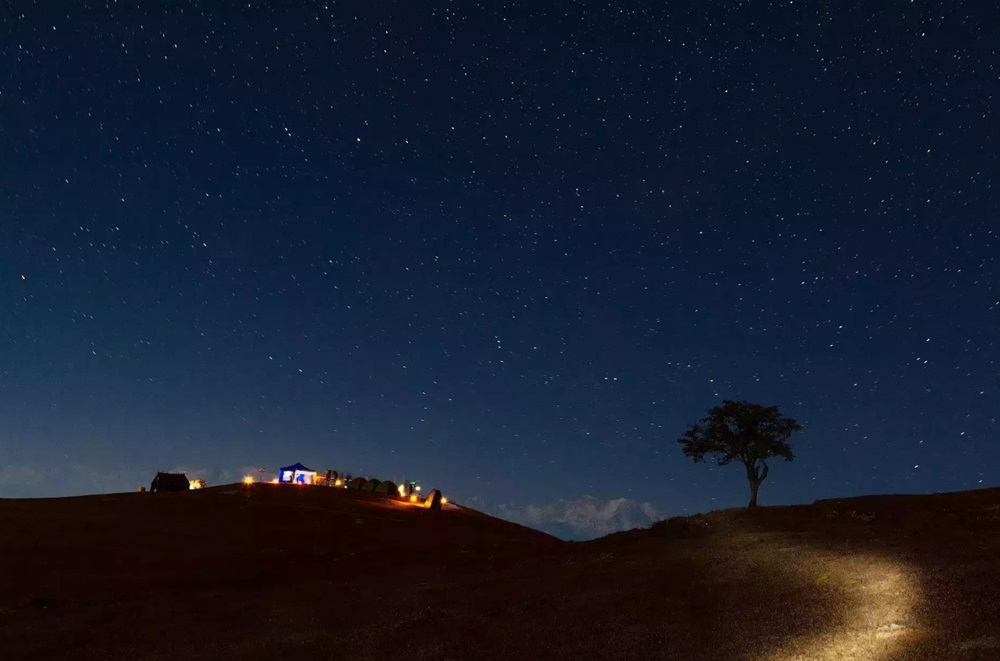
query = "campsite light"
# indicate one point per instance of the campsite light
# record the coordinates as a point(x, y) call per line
point(402, 490)
point(444, 501)
point(248, 480)
point(338, 482)
point(418, 487)
point(413, 498)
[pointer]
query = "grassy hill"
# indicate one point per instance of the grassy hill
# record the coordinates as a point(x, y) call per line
point(275, 571)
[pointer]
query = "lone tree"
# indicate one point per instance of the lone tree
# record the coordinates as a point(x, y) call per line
point(742, 431)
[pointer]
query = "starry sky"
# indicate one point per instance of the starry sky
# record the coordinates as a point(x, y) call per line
point(509, 249)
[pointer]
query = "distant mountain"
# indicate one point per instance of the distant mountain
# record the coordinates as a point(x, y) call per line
point(586, 517)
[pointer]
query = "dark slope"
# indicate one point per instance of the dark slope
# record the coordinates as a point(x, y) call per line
point(270, 571)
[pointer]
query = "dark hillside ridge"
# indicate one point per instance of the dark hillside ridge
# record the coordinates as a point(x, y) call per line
point(271, 571)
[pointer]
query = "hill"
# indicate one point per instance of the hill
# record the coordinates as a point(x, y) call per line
point(272, 572)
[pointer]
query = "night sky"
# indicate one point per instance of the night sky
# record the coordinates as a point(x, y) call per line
point(509, 249)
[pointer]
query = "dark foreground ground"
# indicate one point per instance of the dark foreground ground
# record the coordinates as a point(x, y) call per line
point(272, 572)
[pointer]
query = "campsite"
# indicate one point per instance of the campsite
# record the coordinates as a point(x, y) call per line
point(266, 571)
point(427, 331)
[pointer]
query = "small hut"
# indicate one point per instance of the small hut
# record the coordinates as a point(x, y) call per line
point(170, 482)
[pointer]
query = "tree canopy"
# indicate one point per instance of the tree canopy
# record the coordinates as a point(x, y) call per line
point(743, 431)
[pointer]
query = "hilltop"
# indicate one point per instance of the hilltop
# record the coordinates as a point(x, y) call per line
point(274, 571)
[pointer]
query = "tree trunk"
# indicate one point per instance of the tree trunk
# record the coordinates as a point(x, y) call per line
point(754, 486)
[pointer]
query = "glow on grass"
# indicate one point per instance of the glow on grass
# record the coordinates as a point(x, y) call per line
point(877, 599)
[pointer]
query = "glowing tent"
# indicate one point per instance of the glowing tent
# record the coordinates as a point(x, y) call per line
point(433, 500)
point(296, 474)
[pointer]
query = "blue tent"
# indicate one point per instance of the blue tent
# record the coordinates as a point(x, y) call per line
point(296, 473)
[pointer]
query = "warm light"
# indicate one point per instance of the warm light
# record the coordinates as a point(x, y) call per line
point(402, 490)
point(274, 481)
point(196, 484)
point(413, 498)
point(248, 479)
point(879, 598)
point(338, 482)
point(444, 501)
